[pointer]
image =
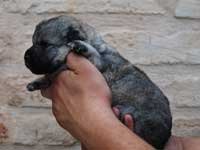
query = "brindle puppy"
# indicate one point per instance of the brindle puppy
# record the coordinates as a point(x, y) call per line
point(132, 91)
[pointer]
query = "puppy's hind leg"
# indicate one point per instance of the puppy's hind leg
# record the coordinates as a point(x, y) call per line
point(88, 51)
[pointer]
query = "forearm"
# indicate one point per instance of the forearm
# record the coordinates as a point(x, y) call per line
point(111, 134)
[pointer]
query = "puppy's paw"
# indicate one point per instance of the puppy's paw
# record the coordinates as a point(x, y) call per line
point(88, 51)
point(78, 46)
point(38, 84)
point(30, 87)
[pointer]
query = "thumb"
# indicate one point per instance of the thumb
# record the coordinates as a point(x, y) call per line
point(78, 63)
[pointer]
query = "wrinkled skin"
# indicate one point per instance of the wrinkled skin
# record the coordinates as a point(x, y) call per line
point(132, 91)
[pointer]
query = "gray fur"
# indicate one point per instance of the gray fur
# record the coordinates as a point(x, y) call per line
point(132, 91)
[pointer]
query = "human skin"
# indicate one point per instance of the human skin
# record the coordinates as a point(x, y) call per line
point(81, 103)
point(174, 143)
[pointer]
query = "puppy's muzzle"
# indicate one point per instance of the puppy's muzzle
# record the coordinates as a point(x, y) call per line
point(27, 58)
point(42, 60)
point(34, 61)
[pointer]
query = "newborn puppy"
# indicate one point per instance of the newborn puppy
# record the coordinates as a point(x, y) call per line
point(132, 91)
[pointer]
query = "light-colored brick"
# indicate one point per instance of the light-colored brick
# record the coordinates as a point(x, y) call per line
point(188, 9)
point(152, 48)
point(179, 83)
point(185, 93)
point(185, 126)
point(41, 130)
point(167, 40)
point(83, 6)
point(8, 122)
point(13, 81)
point(168, 5)
point(22, 147)
point(36, 6)
point(26, 130)
point(117, 6)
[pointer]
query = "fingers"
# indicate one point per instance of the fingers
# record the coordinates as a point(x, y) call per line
point(78, 63)
point(128, 120)
point(62, 80)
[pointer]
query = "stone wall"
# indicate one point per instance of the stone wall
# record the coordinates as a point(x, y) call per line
point(162, 37)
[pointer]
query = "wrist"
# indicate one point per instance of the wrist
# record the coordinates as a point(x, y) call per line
point(108, 132)
point(97, 134)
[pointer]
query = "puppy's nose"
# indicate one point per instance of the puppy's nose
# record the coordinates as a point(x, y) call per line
point(27, 58)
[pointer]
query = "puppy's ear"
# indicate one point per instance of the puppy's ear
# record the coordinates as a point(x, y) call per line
point(75, 34)
point(37, 31)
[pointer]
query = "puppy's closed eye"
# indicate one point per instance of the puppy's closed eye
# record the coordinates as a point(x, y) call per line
point(74, 34)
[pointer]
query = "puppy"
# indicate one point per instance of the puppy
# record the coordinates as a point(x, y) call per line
point(132, 91)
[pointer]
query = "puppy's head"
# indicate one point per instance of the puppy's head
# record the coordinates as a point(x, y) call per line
point(48, 38)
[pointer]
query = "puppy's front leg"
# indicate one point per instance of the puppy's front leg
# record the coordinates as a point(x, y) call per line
point(46, 81)
point(87, 51)
point(40, 83)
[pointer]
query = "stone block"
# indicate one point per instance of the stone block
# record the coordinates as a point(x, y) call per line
point(187, 126)
point(41, 130)
point(188, 9)
point(150, 48)
point(117, 6)
point(178, 82)
point(82, 6)
point(39, 147)
point(36, 6)
point(13, 81)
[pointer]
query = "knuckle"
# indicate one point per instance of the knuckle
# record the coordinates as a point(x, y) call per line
point(71, 57)
point(60, 79)
point(62, 75)
point(45, 93)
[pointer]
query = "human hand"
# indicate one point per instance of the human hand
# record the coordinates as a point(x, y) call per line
point(81, 105)
point(71, 93)
point(174, 143)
